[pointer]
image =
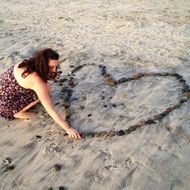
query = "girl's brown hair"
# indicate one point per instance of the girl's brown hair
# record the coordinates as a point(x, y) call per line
point(39, 63)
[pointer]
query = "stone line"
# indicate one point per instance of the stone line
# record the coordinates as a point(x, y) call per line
point(66, 94)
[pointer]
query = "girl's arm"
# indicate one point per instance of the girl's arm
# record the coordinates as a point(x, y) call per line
point(42, 91)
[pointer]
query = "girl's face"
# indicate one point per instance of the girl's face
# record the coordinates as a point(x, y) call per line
point(53, 65)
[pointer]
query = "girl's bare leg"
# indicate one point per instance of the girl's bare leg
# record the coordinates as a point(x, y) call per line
point(26, 115)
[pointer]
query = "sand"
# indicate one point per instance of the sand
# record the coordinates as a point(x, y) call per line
point(127, 37)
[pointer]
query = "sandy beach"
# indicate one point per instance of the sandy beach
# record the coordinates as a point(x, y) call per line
point(126, 77)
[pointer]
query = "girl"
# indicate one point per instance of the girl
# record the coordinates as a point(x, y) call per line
point(25, 84)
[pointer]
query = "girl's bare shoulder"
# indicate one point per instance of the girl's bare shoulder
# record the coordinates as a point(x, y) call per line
point(27, 82)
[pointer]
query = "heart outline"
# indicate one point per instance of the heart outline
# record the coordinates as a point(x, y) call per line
point(112, 82)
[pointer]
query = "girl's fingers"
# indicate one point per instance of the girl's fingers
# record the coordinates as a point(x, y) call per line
point(74, 134)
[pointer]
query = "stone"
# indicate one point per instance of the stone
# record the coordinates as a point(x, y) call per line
point(57, 167)
point(121, 133)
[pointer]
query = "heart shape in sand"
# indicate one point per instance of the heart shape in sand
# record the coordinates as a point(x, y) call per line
point(72, 82)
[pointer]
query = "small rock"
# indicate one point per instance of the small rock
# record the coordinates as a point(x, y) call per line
point(8, 168)
point(187, 94)
point(90, 135)
point(38, 136)
point(7, 160)
point(168, 110)
point(183, 100)
point(121, 133)
point(109, 80)
point(114, 105)
point(182, 80)
point(67, 117)
point(177, 106)
point(57, 167)
point(158, 117)
point(164, 114)
point(134, 127)
point(103, 97)
point(122, 80)
point(150, 121)
point(82, 107)
point(62, 188)
point(138, 76)
point(100, 134)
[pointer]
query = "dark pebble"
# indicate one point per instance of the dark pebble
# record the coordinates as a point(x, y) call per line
point(38, 136)
point(177, 76)
point(150, 121)
point(157, 74)
point(62, 188)
point(122, 80)
point(158, 117)
point(90, 134)
point(164, 114)
point(62, 80)
point(69, 91)
point(114, 105)
point(7, 160)
point(82, 107)
point(168, 110)
point(137, 76)
point(183, 100)
point(64, 90)
point(105, 106)
point(120, 132)
point(57, 167)
point(71, 78)
point(164, 74)
point(127, 131)
point(182, 80)
point(67, 117)
point(74, 99)
point(67, 98)
point(103, 97)
point(9, 168)
point(187, 94)
point(66, 105)
point(89, 115)
point(103, 72)
point(102, 66)
point(147, 74)
point(176, 106)
point(185, 89)
point(133, 127)
point(186, 86)
point(82, 135)
point(171, 74)
point(100, 134)
point(77, 68)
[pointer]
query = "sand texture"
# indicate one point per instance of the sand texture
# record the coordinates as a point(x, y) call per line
point(126, 78)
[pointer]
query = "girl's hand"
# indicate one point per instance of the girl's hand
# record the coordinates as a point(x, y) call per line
point(73, 133)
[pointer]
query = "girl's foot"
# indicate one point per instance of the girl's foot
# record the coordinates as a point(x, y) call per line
point(24, 115)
